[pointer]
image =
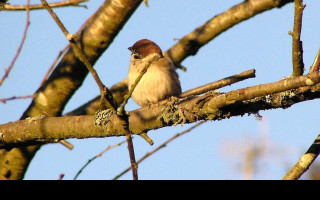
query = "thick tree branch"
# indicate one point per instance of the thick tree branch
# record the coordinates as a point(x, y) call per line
point(190, 44)
point(211, 106)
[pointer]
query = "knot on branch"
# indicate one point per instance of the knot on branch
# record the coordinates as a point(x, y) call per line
point(173, 113)
point(280, 3)
point(192, 47)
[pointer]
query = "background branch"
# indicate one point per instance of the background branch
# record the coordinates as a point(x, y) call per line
point(97, 156)
point(7, 71)
point(316, 63)
point(305, 161)
point(159, 148)
point(15, 97)
point(65, 3)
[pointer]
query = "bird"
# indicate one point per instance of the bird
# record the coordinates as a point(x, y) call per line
point(159, 82)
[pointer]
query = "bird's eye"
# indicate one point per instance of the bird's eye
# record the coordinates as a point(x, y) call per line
point(136, 56)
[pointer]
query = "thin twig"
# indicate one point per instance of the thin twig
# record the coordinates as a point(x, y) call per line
point(146, 3)
point(305, 161)
point(216, 84)
point(316, 63)
point(61, 177)
point(220, 83)
point(134, 165)
point(99, 155)
point(53, 65)
point(75, 3)
point(7, 71)
point(14, 98)
point(66, 144)
point(126, 98)
point(106, 97)
point(160, 147)
point(297, 49)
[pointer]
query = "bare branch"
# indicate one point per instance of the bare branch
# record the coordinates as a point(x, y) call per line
point(160, 147)
point(146, 3)
point(65, 3)
point(191, 43)
point(118, 91)
point(297, 49)
point(316, 63)
point(305, 161)
point(211, 106)
point(7, 71)
point(99, 155)
point(105, 93)
point(220, 83)
point(53, 65)
point(14, 98)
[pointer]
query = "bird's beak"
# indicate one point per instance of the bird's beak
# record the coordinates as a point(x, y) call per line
point(130, 48)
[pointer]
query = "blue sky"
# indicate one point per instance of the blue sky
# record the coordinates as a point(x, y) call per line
point(212, 151)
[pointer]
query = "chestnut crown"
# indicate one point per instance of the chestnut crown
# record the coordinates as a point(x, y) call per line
point(145, 47)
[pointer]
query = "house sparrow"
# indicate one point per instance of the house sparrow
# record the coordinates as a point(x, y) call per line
point(160, 81)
